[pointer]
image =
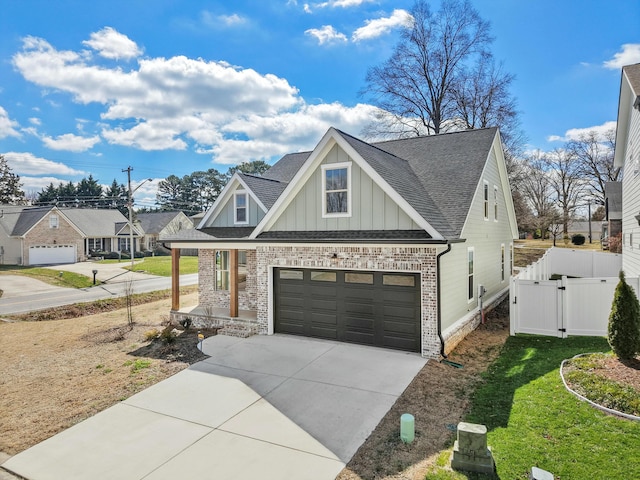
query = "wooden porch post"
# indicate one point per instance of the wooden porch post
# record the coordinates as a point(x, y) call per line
point(233, 280)
point(175, 279)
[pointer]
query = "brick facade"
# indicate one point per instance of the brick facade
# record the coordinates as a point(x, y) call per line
point(43, 234)
point(260, 263)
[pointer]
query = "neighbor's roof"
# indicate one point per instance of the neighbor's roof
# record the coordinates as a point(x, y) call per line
point(9, 216)
point(95, 223)
point(28, 218)
point(154, 222)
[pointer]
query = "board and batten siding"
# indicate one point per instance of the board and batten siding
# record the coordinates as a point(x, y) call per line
point(226, 217)
point(486, 238)
point(371, 209)
point(631, 199)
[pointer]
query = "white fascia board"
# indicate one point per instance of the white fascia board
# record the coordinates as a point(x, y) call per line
point(252, 245)
point(625, 103)
point(393, 194)
point(496, 146)
point(329, 139)
point(225, 195)
point(297, 182)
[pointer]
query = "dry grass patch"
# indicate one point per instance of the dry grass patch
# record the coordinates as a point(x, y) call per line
point(57, 373)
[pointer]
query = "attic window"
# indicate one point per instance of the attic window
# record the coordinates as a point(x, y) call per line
point(336, 190)
point(240, 207)
point(53, 221)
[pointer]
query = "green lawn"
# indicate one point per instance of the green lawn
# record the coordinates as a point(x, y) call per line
point(162, 265)
point(53, 277)
point(533, 421)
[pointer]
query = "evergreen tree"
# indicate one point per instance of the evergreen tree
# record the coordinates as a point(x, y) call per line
point(116, 197)
point(624, 322)
point(10, 188)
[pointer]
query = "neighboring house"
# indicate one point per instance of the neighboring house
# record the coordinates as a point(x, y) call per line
point(627, 155)
point(388, 244)
point(52, 235)
point(579, 227)
point(612, 225)
point(158, 224)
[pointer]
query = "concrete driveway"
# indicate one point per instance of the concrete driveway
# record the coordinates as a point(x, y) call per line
point(269, 407)
point(107, 272)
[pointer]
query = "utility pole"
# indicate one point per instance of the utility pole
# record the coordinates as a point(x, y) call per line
point(130, 206)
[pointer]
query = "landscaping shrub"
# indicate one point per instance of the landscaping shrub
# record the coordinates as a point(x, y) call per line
point(615, 244)
point(624, 321)
point(578, 239)
point(111, 256)
point(168, 335)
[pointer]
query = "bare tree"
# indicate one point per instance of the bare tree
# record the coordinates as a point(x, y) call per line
point(442, 77)
point(414, 88)
point(595, 155)
point(535, 186)
point(565, 175)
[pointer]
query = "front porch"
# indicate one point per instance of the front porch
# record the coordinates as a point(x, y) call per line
point(204, 317)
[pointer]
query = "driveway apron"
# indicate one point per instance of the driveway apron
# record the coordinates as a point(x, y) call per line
point(268, 407)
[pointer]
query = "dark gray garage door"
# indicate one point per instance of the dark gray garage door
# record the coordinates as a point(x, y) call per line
point(372, 308)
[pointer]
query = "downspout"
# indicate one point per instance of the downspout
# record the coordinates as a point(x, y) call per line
point(438, 299)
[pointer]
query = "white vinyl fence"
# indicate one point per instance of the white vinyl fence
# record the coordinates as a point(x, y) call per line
point(568, 306)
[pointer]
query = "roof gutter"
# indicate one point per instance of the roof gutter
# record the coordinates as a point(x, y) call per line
point(438, 299)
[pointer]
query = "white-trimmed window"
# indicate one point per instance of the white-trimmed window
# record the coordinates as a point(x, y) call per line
point(222, 270)
point(240, 201)
point(495, 203)
point(486, 200)
point(470, 281)
point(502, 262)
point(336, 190)
point(123, 244)
point(54, 221)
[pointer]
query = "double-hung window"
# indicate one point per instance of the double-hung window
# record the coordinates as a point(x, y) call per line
point(336, 190)
point(486, 200)
point(240, 207)
point(53, 221)
point(470, 283)
point(222, 270)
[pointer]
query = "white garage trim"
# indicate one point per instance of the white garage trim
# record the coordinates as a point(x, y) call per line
point(52, 254)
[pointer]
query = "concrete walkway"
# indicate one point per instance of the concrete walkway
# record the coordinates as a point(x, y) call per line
point(269, 407)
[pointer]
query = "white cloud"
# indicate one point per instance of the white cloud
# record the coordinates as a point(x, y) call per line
point(288, 132)
point(326, 34)
point(215, 21)
point(576, 133)
point(35, 121)
point(629, 55)
point(36, 184)
point(28, 164)
point(381, 26)
point(70, 142)
point(112, 44)
point(7, 126)
point(153, 105)
point(341, 3)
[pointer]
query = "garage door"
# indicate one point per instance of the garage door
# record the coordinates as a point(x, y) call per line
point(372, 308)
point(52, 254)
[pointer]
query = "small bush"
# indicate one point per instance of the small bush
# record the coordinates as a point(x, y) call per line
point(111, 256)
point(151, 335)
point(168, 335)
point(186, 323)
point(624, 322)
point(138, 255)
point(578, 239)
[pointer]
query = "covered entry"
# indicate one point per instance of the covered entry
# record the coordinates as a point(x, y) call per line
point(372, 308)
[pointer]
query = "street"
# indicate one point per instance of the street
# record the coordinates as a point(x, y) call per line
point(56, 297)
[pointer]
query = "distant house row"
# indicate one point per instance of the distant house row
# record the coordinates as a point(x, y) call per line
point(51, 235)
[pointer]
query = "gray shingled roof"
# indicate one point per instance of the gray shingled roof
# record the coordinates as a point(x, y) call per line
point(266, 189)
point(449, 166)
point(9, 216)
point(287, 167)
point(397, 172)
point(209, 233)
point(333, 235)
point(28, 218)
point(633, 74)
point(94, 223)
point(153, 222)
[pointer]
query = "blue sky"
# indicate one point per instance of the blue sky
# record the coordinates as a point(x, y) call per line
point(171, 87)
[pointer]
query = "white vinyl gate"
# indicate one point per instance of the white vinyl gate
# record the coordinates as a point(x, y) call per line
point(570, 306)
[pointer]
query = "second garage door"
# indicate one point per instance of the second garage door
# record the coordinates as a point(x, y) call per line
point(372, 308)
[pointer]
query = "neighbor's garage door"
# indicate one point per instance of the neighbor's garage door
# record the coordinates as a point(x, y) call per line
point(372, 308)
point(52, 254)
